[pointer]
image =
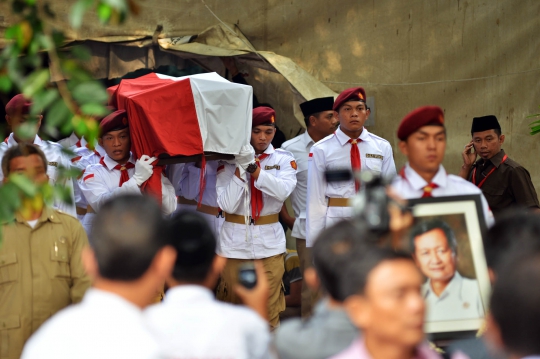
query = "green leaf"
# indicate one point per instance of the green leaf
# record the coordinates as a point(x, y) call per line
point(58, 113)
point(5, 84)
point(22, 182)
point(27, 130)
point(72, 172)
point(63, 193)
point(104, 12)
point(88, 92)
point(76, 15)
point(94, 109)
point(11, 32)
point(31, 2)
point(58, 38)
point(42, 100)
point(10, 195)
point(35, 82)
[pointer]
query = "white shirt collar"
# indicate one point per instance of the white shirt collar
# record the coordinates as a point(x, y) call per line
point(190, 293)
point(110, 300)
point(343, 138)
point(452, 287)
point(10, 141)
point(110, 163)
point(269, 150)
point(306, 138)
point(419, 183)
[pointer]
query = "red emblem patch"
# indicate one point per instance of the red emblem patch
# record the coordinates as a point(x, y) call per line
point(293, 165)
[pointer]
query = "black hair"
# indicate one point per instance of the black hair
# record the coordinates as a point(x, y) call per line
point(429, 225)
point(306, 118)
point(195, 244)
point(127, 233)
point(514, 304)
point(21, 150)
point(357, 272)
point(335, 248)
point(513, 232)
point(497, 131)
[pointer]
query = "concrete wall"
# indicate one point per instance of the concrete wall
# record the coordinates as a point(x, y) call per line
point(472, 58)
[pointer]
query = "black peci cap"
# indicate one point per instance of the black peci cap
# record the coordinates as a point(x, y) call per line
point(317, 105)
point(485, 123)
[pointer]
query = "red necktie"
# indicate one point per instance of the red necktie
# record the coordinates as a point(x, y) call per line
point(256, 195)
point(124, 177)
point(355, 159)
point(428, 189)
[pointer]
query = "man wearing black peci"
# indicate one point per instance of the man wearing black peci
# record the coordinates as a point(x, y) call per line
point(504, 182)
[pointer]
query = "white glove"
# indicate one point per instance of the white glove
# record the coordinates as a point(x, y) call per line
point(143, 169)
point(246, 156)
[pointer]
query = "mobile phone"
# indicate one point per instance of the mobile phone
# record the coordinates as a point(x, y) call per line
point(247, 276)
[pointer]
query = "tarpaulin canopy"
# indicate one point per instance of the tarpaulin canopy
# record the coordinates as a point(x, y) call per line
point(184, 116)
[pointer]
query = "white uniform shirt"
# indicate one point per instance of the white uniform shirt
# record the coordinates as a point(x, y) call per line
point(191, 323)
point(300, 147)
point(83, 158)
point(100, 183)
point(460, 299)
point(190, 187)
point(72, 142)
point(333, 153)
point(276, 181)
point(176, 176)
point(412, 186)
point(55, 158)
point(104, 325)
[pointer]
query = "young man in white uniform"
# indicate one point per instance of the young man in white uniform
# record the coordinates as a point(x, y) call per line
point(129, 258)
point(118, 172)
point(423, 140)
point(350, 147)
point(17, 113)
point(190, 322)
point(320, 122)
point(251, 204)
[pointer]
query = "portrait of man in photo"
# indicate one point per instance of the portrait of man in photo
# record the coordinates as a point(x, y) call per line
point(449, 295)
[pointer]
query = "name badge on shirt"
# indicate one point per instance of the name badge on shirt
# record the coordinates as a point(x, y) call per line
point(371, 155)
point(266, 168)
point(54, 164)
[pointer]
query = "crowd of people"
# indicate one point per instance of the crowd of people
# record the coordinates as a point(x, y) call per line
point(120, 274)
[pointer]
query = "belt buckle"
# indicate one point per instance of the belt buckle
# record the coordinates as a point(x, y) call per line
point(220, 214)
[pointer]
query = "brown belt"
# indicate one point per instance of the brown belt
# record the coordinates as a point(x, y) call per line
point(338, 202)
point(235, 218)
point(80, 211)
point(183, 200)
point(214, 211)
point(90, 210)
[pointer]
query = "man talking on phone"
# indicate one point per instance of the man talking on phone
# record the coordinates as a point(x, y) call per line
point(504, 182)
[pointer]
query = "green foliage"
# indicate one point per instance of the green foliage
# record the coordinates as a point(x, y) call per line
point(535, 126)
point(28, 64)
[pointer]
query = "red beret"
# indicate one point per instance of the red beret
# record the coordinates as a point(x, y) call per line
point(263, 116)
point(115, 121)
point(18, 105)
point(352, 94)
point(422, 116)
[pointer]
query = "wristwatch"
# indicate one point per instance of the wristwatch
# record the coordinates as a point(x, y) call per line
point(252, 167)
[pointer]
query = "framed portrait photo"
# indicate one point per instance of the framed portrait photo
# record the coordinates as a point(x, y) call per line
point(446, 244)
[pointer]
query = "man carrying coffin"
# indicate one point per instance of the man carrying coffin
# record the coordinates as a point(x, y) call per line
point(504, 182)
point(118, 172)
point(251, 204)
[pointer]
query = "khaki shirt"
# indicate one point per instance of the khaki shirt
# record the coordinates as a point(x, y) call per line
point(508, 186)
point(41, 272)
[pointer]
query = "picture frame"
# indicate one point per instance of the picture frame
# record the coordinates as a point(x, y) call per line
point(463, 303)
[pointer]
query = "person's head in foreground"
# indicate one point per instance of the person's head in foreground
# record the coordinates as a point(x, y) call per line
point(514, 319)
point(130, 255)
point(195, 245)
point(486, 136)
point(263, 128)
point(384, 300)
point(335, 247)
point(423, 139)
point(513, 231)
point(435, 250)
point(25, 159)
point(319, 117)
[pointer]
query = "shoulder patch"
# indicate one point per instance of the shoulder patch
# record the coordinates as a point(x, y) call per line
point(75, 159)
point(294, 165)
point(89, 177)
